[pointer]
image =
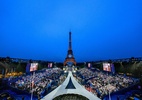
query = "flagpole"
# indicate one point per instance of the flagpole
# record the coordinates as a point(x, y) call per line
point(109, 96)
point(32, 94)
point(32, 86)
point(108, 88)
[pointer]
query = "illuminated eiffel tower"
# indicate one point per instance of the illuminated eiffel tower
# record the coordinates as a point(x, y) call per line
point(70, 58)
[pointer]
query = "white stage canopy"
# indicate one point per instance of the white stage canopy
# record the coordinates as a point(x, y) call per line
point(61, 90)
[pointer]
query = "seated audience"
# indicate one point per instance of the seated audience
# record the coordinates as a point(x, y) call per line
point(101, 83)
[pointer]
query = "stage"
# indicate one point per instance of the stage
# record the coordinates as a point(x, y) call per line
point(70, 86)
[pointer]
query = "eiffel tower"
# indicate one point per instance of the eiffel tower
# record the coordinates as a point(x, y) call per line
point(70, 58)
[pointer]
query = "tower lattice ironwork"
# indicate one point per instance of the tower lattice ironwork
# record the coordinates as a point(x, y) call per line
point(70, 57)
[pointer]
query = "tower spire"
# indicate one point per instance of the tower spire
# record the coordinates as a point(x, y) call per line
point(70, 46)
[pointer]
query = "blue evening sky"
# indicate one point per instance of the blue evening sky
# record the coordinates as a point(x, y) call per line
point(101, 29)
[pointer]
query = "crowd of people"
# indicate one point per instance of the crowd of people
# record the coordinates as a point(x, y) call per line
point(102, 83)
point(37, 82)
point(98, 82)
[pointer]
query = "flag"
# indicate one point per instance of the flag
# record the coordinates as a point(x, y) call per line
point(32, 84)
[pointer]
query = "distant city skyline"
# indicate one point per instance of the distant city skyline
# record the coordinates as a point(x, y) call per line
point(101, 29)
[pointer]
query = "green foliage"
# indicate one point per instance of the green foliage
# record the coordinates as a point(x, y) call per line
point(40, 66)
point(20, 68)
point(82, 66)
